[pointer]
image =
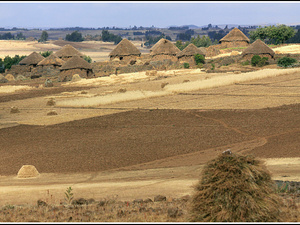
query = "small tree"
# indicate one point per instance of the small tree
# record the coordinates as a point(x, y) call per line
point(44, 37)
point(186, 65)
point(46, 53)
point(74, 36)
point(87, 58)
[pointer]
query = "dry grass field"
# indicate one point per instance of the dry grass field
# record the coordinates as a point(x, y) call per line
point(117, 149)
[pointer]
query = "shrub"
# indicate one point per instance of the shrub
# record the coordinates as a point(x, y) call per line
point(186, 65)
point(263, 61)
point(199, 59)
point(200, 65)
point(87, 58)
point(255, 59)
point(46, 53)
point(246, 63)
point(212, 66)
point(235, 188)
point(286, 62)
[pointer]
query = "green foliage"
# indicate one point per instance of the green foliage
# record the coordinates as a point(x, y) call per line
point(273, 34)
point(87, 58)
point(255, 59)
point(44, 37)
point(186, 65)
point(179, 44)
point(246, 63)
point(74, 36)
point(199, 59)
point(152, 40)
point(7, 36)
point(263, 62)
point(20, 36)
point(46, 53)
point(109, 37)
point(204, 41)
point(286, 62)
point(69, 195)
point(8, 61)
point(212, 66)
point(200, 65)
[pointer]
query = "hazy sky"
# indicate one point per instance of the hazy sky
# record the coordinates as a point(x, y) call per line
point(43, 14)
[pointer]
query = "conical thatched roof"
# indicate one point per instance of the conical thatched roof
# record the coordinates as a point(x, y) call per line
point(164, 46)
point(33, 59)
point(190, 50)
point(258, 47)
point(125, 48)
point(203, 49)
point(235, 35)
point(76, 62)
point(51, 60)
point(68, 51)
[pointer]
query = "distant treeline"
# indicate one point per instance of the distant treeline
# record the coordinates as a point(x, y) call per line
point(9, 36)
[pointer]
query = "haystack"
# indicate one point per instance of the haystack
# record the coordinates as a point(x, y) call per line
point(235, 188)
point(75, 65)
point(51, 61)
point(258, 48)
point(188, 54)
point(125, 51)
point(32, 60)
point(67, 52)
point(164, 49)
point(10, 77)
point(27, 171)
point(234, 38)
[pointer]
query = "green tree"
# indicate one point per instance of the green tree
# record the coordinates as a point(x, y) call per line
point(87, 58)
point(20, 36)
point(199, 59)
point(273, 34)
point(74, 36)
point(8, 61)
point(286, 62)
point(46, 53)
point(203, 41)
point(44, 37)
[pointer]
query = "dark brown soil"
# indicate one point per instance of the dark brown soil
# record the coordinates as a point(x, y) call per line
point(139, 136)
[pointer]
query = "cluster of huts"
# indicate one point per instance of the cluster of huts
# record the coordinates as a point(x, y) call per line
point(69, 61)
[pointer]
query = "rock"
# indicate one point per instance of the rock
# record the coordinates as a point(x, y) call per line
point(163, 84)
point(227, 152)
point(132, 62)
point(160, 198)
point(101, 203)
point(80, 201)
point(185, 81)
point(41, 203)
point(48, 83)
point(185, 198)
point(122, 90)
point(14, 109)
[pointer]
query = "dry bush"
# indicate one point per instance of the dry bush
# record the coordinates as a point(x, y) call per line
point(235, 188)
point(186, 81)
point(236, 72)
point(83, 92)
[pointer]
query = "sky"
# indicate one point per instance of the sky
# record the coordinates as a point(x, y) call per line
point(57, 14)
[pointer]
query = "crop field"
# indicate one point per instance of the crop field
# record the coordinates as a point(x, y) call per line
point(119, 141)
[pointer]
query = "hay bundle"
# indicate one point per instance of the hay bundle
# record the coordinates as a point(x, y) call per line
point(51, 102)
point(10, 77)
point(235, 188)
point(76, 77)
point(3, 79)
point(14, 109)
point(52, 113)
point(20, 77)
point(27, 171)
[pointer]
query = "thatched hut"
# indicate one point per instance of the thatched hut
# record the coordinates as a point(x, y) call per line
point(125, 51)
point(67, 52)
point(51, 61)
point(258, 48)
point(234, 38)
point(32, 60)
point(164, 49)
point(75, 65)
point(188, 54)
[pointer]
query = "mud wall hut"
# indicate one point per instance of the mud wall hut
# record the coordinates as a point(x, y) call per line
point(125, 51)
point(75, 65)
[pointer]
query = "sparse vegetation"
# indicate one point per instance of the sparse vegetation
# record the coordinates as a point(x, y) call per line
point(44, 37)
point(199, 59)
point(46, 53)
point(186, 65)
point(69, 195)
point(87, 58)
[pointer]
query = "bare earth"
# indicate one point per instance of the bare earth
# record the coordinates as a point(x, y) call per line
point(142, 148)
